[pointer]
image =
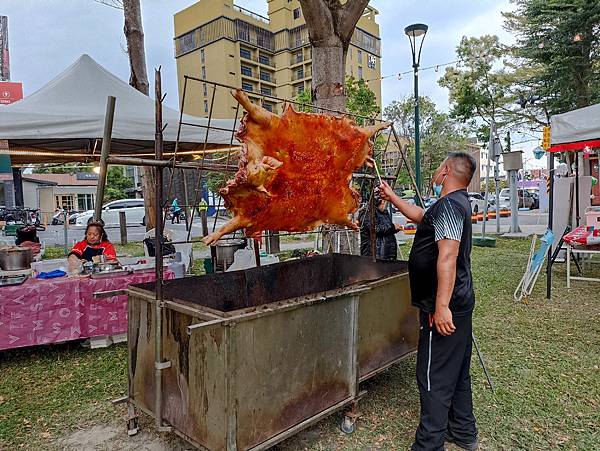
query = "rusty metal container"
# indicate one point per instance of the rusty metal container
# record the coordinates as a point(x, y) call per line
point(254, 356)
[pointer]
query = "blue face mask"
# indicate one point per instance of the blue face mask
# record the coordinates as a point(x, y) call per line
point(437, 189)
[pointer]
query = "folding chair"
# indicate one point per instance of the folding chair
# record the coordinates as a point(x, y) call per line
point(534, 266)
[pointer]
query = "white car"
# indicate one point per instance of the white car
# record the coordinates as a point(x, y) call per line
point(133, 208)
point(478, 203)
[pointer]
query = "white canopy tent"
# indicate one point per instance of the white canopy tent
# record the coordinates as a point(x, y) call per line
point(576, 129)
point(64, 118)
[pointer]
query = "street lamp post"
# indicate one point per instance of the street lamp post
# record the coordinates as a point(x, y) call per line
point(414, 32)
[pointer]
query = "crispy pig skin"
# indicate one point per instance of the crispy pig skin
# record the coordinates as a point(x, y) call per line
point(294, 171)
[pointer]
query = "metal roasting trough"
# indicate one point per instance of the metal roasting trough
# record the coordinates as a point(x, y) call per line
point(251, 357)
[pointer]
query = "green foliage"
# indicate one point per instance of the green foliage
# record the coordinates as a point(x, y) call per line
point(217, 180)
point(477, 88)
point(360, 100)
point(439, 133)
point(71, 168)
point(305, 100)
point(116, 184)
point(556, 52)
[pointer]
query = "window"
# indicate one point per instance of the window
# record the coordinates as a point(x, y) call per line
point(359, 56)
point(266, 91)
point(206, 106)
point(245, 53)
point(268, 107)
point(85, 202)
point(299, 57)
point(247, 71)
point(264, 59)
point(64, 201)
point(247, 86)
point(202, 55)
point(204, 89)
point(203, 72)
point(371, 62)
point(360, 73)
point(134, 204)
point(299, 89)
point(265, 76)
point(297, 13)
point(299, 74)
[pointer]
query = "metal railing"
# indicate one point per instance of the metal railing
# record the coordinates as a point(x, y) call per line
point(247, 12)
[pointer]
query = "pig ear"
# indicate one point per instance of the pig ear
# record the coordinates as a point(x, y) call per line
point(257, 113)
point(371, 130)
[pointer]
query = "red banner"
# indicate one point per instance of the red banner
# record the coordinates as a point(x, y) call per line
point(10, 92)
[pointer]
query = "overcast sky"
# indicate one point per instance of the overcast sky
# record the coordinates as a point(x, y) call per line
point(46, 36)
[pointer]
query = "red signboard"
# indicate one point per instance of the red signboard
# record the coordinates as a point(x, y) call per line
point(10, 92)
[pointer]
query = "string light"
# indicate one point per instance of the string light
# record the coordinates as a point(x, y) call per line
point(435, 67)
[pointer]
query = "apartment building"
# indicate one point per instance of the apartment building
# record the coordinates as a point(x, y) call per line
point(220, 41)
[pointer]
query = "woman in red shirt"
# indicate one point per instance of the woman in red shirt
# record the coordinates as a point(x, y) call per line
point(95, 244)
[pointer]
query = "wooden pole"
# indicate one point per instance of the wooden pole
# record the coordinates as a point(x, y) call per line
point(106, 137)
point(123, 227)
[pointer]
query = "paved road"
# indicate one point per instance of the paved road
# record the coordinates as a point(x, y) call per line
point(54, 235)
point(530, 222)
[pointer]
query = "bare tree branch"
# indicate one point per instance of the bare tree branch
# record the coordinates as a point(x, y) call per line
point(348, 17)
point(318, 12)
point(117, 4)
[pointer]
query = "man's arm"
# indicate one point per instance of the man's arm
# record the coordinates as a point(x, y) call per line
point(446, 275)
point(412, 212)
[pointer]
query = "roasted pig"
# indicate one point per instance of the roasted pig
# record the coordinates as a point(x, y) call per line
point(294, 170)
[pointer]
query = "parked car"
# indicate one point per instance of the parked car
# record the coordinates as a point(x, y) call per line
point(478, 203)
point(525, 199)
point(133, 208)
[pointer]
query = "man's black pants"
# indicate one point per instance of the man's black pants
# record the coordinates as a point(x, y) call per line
point(444, 382)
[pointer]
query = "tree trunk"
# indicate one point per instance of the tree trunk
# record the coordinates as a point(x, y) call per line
point(330, 27)
point(134, 35)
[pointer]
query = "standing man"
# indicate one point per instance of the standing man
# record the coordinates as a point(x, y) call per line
point(442, 288)
point(175, 211)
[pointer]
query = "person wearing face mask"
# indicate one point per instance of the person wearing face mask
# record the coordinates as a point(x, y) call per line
point(442, 288)
point(95, 243)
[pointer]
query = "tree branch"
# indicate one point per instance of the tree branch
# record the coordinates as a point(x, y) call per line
point(117, 4)
point(319, 19)
point(348, 16)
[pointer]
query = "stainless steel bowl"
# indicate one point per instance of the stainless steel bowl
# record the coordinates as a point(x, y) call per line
point(15, 258)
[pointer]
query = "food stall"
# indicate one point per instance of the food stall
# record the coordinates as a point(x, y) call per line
point(575, 131)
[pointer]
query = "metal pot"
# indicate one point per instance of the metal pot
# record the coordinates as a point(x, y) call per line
point(225, 251)
point(15, 258)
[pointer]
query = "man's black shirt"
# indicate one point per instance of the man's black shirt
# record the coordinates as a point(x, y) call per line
point(448, 218)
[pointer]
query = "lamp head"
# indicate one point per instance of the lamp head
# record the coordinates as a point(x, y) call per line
point(416, 30)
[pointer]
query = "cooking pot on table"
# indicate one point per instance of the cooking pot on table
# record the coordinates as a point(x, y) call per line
point(15, 258)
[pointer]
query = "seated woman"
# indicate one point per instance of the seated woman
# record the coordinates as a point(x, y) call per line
point(95, 244)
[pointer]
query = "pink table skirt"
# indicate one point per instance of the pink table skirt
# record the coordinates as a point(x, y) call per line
point(57, 310)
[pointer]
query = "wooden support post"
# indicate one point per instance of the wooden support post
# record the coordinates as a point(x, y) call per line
point(123, 226)
point(204, 220)
point(106, 137)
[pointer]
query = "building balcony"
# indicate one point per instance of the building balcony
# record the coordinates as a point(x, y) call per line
point(264, 78)
point(301, 75)
point(264, 61)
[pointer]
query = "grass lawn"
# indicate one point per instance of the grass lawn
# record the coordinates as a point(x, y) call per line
point(544, 359)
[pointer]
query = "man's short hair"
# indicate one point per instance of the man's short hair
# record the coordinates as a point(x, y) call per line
point(464, 165)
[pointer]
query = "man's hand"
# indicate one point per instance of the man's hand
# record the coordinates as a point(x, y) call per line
point(442, 318)
point(385, 191)
point(398, 227)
